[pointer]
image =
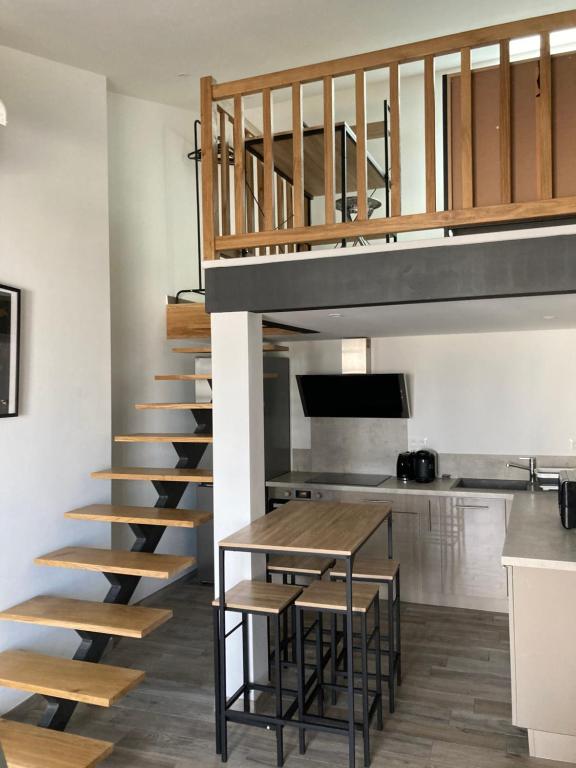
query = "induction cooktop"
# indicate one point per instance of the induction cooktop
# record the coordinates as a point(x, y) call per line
point(347, 478)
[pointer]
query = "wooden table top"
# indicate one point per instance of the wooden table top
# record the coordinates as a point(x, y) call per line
point(311, 527)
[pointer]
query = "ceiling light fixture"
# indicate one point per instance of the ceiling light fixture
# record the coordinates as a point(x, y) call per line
point(549, 317)
point(334, 314)
point(3, 120)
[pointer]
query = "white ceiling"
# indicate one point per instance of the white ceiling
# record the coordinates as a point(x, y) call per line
point(143, 45)
point(479, 316)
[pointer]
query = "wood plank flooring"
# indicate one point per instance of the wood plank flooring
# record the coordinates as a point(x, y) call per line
point(453, 709)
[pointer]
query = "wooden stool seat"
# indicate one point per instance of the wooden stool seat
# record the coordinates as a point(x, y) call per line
point(300, 565)
point(369, 569)
point(259, 597)
point(331, 596)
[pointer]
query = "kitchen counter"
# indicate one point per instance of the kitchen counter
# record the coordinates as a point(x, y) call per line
point(535, 537)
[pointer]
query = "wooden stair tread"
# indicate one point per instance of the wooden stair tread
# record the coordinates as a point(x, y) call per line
point(196, 376)
point(174, 406)
point(208, 350)
point(89, 616)
point(117, 561)
point(98, 684)
point(168, 437)
point(27, 746)
point(113, 513)
point(167, 474)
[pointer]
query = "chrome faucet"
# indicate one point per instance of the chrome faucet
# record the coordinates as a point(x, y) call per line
point(530, 468)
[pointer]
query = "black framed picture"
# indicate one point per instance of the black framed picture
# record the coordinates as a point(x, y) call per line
point(10, 299)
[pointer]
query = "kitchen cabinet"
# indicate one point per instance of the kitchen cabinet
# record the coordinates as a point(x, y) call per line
point(472, 532)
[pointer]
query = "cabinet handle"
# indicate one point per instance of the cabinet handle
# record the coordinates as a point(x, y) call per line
point(429, 516)
point(471, 506)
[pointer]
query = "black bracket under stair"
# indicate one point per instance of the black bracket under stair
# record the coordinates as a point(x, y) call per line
point(122, 587)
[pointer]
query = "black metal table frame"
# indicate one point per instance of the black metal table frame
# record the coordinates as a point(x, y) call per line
point(223, 715)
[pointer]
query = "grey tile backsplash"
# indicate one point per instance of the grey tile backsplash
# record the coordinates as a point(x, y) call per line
point(372, 445)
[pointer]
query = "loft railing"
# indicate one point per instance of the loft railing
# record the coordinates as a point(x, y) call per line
point(271, 211)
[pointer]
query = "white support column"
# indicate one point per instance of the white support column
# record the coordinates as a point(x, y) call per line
point(238, 460)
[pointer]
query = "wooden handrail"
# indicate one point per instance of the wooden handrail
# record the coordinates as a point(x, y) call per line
point(416, 51)
point(320, 233)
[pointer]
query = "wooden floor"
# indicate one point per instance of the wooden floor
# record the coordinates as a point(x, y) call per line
point(453, 709)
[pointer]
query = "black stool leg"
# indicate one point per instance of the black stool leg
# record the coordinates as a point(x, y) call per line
point(285, 626)
point(301, 673)
point(217, 680)
point(320, 663)
point(333, 655)
point(391, 650)
point(245, 662)
point(278, 692)
point(398, 630)
point(378, 659)
point(365, 702)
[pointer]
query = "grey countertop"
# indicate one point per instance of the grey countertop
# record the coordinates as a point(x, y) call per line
point(438, 487)
point(535, 537)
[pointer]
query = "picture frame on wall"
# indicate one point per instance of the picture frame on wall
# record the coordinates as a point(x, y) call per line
point(10, 301)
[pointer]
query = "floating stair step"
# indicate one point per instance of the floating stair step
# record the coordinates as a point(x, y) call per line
point(88, 616)
point(174, 406)
point(98, 684)
point(197, 376)
point(117, 561)
point(26, 746)
point(111, 513)
point(169, 437)
point(208, 350)
point(167, 474)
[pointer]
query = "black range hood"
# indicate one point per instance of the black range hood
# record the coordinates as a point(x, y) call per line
point(355, 395)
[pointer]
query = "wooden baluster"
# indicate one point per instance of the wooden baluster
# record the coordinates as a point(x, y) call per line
point(395, 179)
point(544, 122)
point(289, 211)
point(260, 197)
point(209, 171)
point(239, 161)
point(430, 132)
point(280, 217)
point(224, 174)
point(329, 170)
point(250, 192)
point(361, 168)
point(268, 202)
point(466, 128)
point(298, 155)
point(505, 125)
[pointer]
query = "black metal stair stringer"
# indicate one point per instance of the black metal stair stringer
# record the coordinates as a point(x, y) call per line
point(122, 587)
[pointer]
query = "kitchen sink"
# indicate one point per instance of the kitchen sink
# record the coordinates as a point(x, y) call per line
point(480, 484)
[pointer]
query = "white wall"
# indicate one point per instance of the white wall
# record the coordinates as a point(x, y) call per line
point(494, 393)
point(152, 254)
point(54, 245)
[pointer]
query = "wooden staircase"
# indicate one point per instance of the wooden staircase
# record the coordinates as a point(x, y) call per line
point(65, 683)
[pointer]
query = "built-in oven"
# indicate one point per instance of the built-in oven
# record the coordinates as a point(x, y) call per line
point(281, 495)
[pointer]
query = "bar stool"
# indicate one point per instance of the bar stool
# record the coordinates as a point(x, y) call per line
point(290, 567)
point(250, 598)
point(330, 597)
point(376, 570)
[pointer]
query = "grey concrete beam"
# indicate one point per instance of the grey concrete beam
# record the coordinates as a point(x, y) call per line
point(520, 267)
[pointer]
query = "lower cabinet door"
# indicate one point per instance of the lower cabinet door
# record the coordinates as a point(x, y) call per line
point(473, 532)
point(407, 550)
